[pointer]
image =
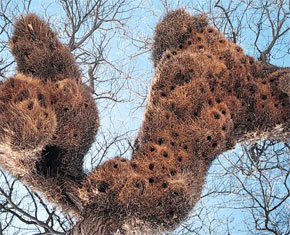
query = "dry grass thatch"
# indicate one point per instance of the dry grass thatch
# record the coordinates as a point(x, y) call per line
point(206, 96)
point(48, 118)
point(38, 52)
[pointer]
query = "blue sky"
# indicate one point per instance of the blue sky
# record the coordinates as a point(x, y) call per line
point(127, 117)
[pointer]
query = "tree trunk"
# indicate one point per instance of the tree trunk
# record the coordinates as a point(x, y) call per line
point(97, 225)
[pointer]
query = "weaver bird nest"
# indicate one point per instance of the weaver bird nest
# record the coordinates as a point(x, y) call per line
point(206, 96)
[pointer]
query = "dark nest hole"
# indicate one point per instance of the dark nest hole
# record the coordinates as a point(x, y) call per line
point(51, 161)
point(23, 95)
point(181, 78)
point(103, 186)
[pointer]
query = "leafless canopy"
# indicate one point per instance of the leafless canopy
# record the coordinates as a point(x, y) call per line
point(252, 182)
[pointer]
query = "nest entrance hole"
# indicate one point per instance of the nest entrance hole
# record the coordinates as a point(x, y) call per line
point(51, 159)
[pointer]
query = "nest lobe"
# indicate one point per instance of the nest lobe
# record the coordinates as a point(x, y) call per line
point(48, 117)
point(206, 96)
point(38, 51)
